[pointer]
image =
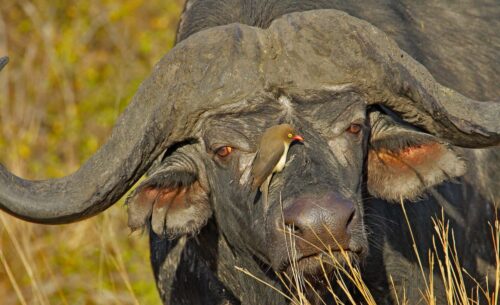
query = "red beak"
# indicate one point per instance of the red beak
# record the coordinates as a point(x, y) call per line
point(298, 138)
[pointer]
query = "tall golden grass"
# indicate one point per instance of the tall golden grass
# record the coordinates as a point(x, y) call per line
point(73, 67)
point(347, 275)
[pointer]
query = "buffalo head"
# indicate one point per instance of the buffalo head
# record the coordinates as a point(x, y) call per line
point(375, 122)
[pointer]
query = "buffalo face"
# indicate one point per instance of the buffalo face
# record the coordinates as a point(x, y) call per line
point(315, 206)
point(375, 123)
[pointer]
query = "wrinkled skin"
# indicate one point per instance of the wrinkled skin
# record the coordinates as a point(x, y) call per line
point(377, 130)
point(331, 162)
point(327, 162)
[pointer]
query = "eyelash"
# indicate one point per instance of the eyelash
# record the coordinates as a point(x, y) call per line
point(354, 128)
point(224, 151)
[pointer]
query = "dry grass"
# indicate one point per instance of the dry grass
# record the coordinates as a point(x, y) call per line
point(347, 274)
point(74, 66)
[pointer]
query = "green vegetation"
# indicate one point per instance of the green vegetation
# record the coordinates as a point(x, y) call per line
point(74, 67)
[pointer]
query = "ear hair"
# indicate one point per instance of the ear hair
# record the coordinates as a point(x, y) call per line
point(401, 142)
point(172, 201)
point(169, 179)
point(403, 162)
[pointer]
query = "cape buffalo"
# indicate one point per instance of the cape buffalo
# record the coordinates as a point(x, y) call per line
point(390, 99)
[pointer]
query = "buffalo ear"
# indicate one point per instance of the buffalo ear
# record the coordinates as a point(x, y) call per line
point(172, 200)
point(403, 162)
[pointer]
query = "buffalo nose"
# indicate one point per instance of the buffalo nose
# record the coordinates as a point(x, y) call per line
point(319, 223)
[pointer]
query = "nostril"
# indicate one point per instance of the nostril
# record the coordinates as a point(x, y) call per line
point(351, 217)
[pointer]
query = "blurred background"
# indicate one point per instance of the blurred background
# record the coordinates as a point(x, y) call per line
point(74, 66)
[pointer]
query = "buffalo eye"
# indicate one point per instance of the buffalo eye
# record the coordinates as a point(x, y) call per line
point(224, 151)
point(354, 128)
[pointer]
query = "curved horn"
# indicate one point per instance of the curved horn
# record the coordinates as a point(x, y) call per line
point(229, 64)
point(3, 62)
point(422, 101)
point(338, 49)
point(136, 140)
point(192, 72)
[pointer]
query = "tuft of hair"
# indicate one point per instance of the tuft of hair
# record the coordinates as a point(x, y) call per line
point(171, 203)
point(403, 163)
point(169, 179)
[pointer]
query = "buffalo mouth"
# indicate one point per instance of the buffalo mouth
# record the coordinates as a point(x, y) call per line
point(319, 265)
point(315, 276)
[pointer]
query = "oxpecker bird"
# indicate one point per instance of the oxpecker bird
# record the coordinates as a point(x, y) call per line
point(271, 155)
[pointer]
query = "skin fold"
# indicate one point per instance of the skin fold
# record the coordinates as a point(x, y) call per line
point(396, 102)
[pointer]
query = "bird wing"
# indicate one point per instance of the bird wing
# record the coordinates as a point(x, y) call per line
point(264, 163)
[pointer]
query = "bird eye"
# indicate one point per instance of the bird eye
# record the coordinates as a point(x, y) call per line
point(290, 135)
point(354, 128)
point(224, 151)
